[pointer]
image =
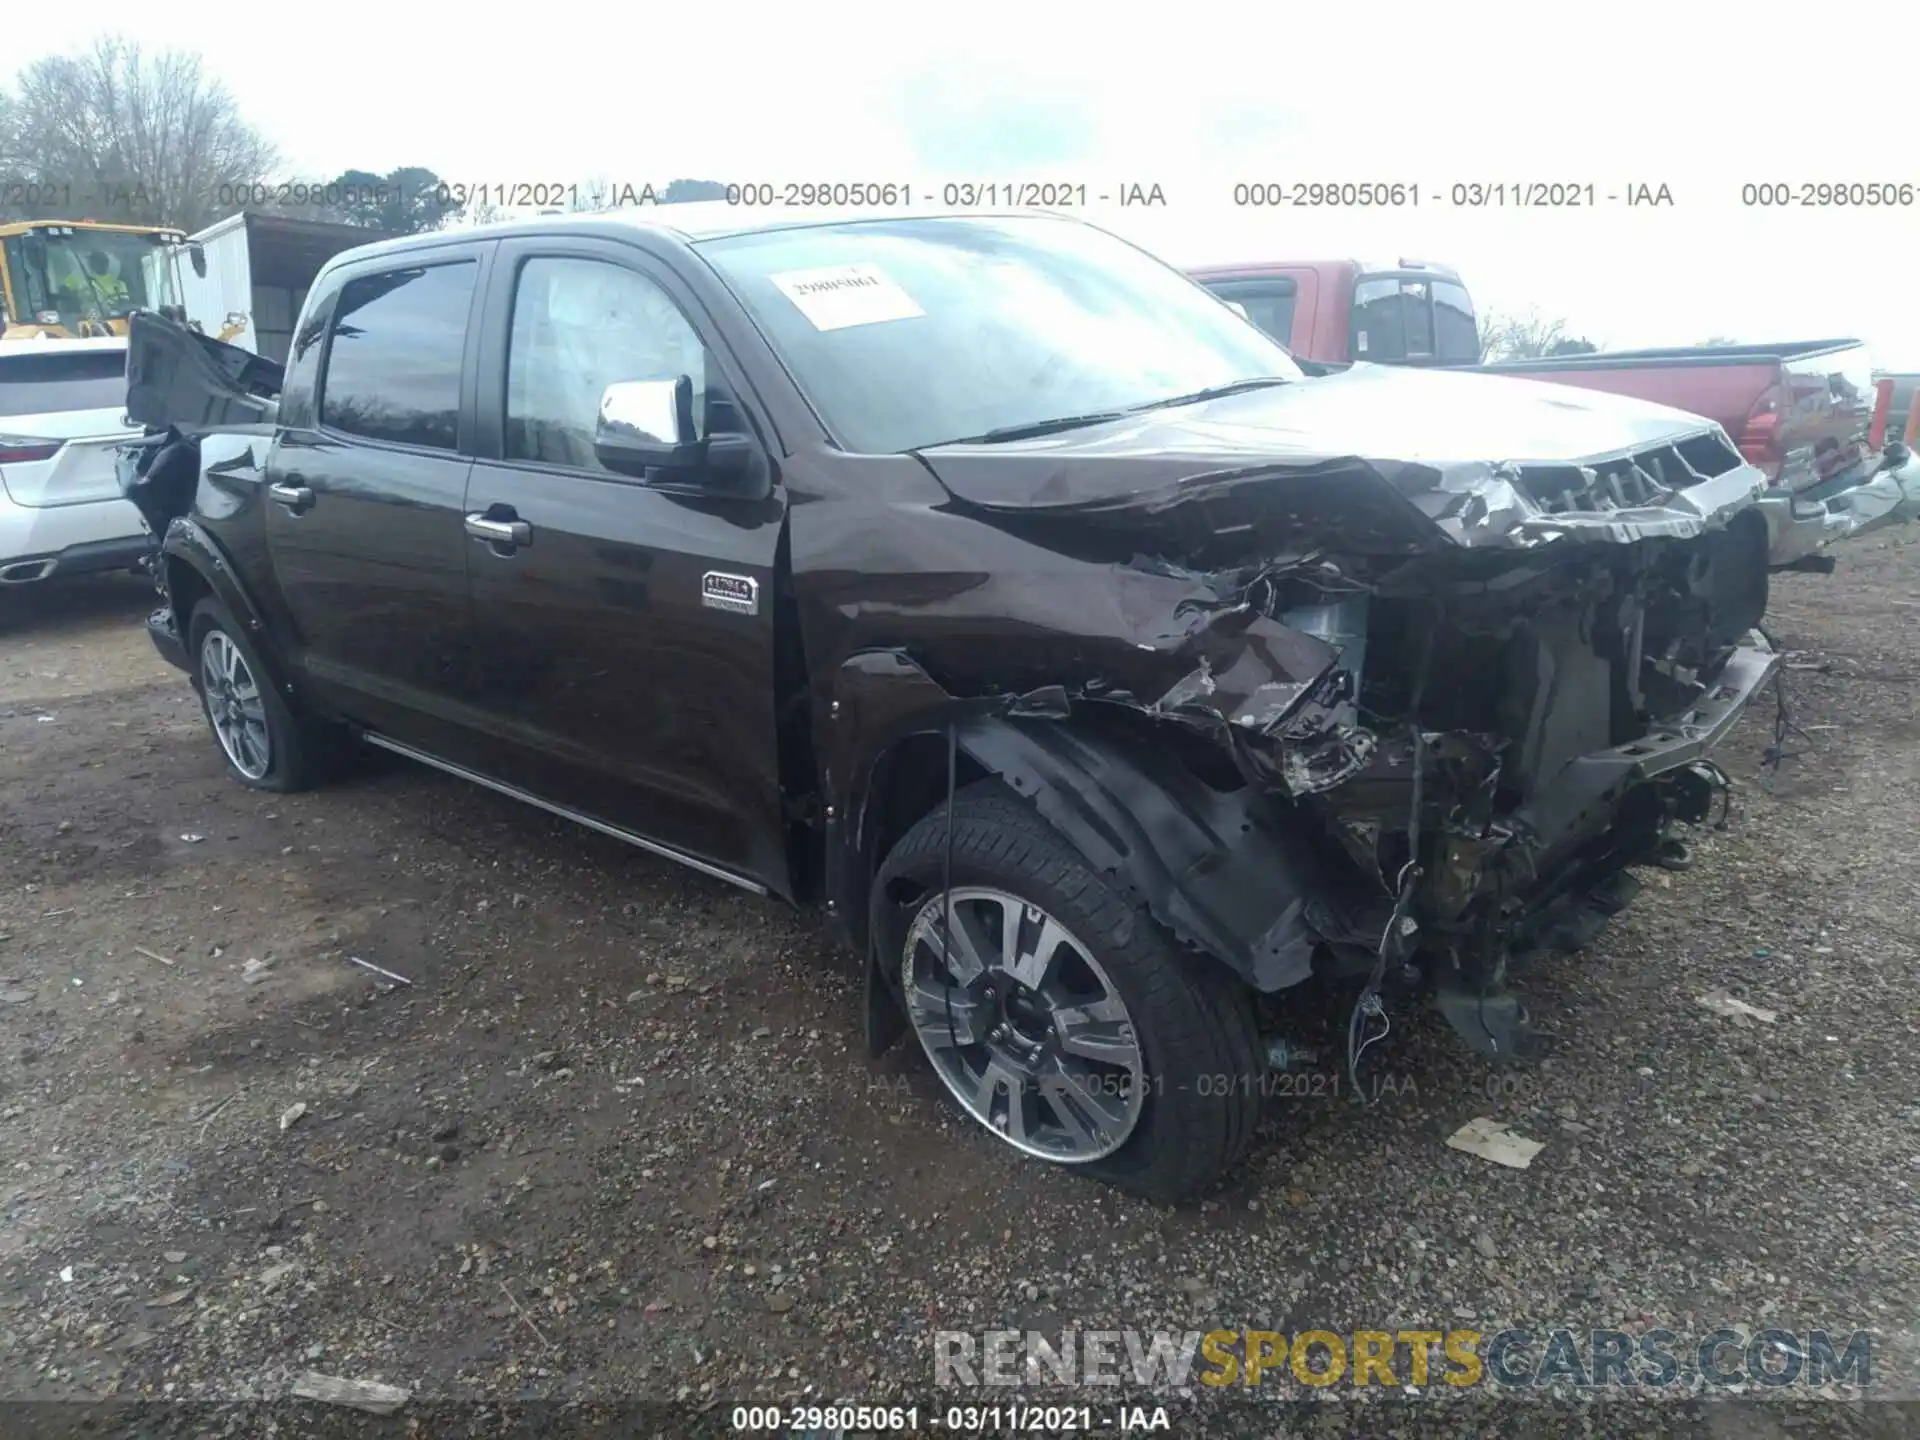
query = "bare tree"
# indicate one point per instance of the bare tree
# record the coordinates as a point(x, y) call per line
point(117, 133)
point(1527, 336)
point(591, 196)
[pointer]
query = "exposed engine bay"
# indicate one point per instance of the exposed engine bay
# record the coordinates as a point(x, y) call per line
point(1512, 737)
point(1490, 729)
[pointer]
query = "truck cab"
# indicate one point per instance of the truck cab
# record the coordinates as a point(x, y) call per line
point(70, 279)
point(1336, 312)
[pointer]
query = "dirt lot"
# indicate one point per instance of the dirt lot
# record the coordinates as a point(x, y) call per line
point(619, 1140)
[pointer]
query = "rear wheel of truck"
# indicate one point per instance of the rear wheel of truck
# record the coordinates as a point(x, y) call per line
point(264, 742)
point(1057, 1012)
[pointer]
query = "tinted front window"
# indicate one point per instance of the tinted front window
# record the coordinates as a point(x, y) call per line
point(1267, 303)
point(393, 358)
point(1456, 333)
point(40, 383)
point(578, 327)
point(907, 333)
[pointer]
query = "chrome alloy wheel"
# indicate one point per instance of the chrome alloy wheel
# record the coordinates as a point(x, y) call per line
point(235, 705)
point(1023, 1026)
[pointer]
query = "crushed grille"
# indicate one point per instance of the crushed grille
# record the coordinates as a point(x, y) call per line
point(1647, 477)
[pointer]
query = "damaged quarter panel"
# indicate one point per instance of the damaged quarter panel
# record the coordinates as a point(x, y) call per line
point(211, 411)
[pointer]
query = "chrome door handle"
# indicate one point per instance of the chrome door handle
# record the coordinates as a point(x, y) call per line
point(295, 497)
point(500, 532)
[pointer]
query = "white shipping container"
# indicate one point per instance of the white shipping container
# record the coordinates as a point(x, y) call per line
point(259, 268)
point(223, 298)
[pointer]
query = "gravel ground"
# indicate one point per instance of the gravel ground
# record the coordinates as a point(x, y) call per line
point(618, 1141)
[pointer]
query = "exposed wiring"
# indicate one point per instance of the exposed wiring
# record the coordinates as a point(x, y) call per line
point(1784, 729)
point(1725, 782)
point(1368, 1004)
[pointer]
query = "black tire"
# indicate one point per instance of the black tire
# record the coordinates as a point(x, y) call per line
point(1194, 1022)
point(301, 751)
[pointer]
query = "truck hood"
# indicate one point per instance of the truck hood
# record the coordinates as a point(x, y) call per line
point(1386, 458)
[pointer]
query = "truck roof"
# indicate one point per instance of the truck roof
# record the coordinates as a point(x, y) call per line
point(690, 221)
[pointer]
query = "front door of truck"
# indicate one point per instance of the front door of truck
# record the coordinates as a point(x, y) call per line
point(624, 629)
point(366, 497)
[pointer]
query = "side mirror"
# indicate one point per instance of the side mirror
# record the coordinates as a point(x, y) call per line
point(647, 425)
point(197, 257)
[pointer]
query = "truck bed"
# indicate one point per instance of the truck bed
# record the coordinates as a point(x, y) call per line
point(1684, 356)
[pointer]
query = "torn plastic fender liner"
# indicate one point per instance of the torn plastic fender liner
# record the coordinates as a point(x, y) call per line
point(1216, 868)
point(1209, 865)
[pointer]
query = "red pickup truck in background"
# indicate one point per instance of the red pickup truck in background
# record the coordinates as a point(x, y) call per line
point(1799, 411)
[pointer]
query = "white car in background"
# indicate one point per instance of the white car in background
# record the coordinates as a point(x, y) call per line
point(62, 415)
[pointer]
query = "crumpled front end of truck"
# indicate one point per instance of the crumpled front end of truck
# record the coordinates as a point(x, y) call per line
point(1489, 690)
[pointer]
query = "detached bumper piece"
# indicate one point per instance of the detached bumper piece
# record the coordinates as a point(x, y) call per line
point(1603, 813)
point(1801, 524)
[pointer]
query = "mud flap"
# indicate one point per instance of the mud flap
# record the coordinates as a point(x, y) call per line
point(886, 1022)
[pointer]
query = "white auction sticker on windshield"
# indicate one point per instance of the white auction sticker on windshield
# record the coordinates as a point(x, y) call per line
point(836, 296)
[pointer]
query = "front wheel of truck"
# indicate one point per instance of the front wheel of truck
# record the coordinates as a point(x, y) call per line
point(1056, 1011)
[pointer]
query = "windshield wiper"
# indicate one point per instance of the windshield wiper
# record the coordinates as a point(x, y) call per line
point(1037, 428)
point(1213, 392)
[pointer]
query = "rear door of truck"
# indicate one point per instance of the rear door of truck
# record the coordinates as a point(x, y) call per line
point(366, 491)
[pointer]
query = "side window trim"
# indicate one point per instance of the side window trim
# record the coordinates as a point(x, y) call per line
point(478, 255)
point(300, 396)
point(496, 335)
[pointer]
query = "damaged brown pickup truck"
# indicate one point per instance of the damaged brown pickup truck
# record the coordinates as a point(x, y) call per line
point(986, 582)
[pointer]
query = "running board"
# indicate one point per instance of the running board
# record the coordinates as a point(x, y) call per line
point(514, 792)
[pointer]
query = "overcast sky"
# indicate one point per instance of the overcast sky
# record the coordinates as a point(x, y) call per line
point(1692, 96)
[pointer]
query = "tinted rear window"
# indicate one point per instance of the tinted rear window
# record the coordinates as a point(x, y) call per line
point(41, 384)
point(1398, 319)
point(393, 360)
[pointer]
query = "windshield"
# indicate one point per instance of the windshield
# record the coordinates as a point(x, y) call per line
point(908, 333)
point(89, 274)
